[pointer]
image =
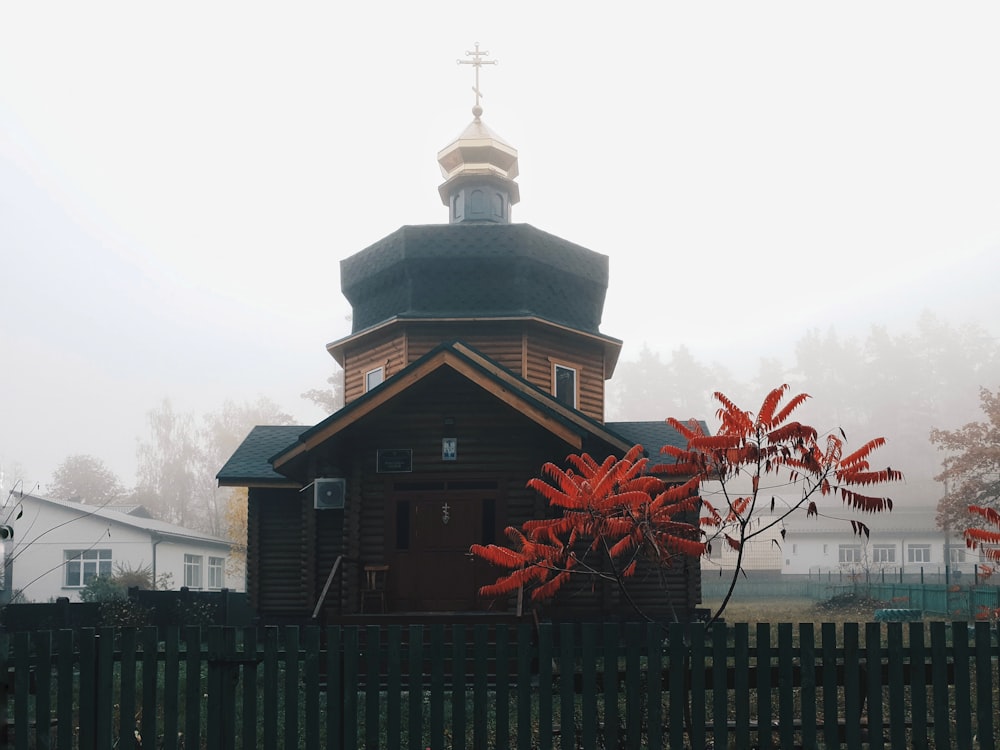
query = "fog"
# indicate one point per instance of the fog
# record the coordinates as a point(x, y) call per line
point(178, 186)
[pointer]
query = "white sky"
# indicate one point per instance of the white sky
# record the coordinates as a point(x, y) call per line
point(178, 182)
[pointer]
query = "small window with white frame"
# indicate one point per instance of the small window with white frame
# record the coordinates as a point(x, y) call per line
point(849, 553)
point(918, 553)
point(884, 553)
point(956, 554)
point(84, 565)
point(374, 378)
point(564, 384)
point(192, 571)
point(216, 572)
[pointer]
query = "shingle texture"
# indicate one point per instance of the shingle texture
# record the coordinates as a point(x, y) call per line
point(251, 461)
point(652, 436)
point(475, 270)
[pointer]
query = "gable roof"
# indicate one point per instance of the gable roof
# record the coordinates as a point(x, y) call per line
point(544, 409)
point(149, 525)
point(269, 450)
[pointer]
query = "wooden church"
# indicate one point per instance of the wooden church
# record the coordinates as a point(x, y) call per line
point(475, 356)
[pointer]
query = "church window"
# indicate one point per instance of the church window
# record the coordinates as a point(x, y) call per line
point(564, 384)
point(374, 378)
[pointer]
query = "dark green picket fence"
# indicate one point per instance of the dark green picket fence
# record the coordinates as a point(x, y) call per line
point(565, 686)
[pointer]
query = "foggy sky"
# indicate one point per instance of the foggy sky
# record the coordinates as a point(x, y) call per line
point(178, 185)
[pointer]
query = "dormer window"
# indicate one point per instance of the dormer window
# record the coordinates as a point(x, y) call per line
point(374, 378)
point(564, 384)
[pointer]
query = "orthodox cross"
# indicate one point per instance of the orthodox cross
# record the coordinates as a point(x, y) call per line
point(477, 62)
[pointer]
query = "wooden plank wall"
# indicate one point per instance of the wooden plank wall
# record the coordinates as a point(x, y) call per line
point(280, 570)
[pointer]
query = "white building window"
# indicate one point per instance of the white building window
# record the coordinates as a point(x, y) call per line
point(192, 571)
point(918, 553)
point(956, 554)
point(884, 553)
point(564, 384)
point(850, 553)
point(374, 378)
point(216, 572)
point(84, 565)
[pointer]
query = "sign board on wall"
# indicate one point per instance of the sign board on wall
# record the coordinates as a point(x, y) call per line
point(394, 460)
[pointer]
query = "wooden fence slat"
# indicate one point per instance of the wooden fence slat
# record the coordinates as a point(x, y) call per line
point(311, 683)
point(503, 686)
point(88, 691)
point(720, 694)
point(741, 678)
point(394, 683)
point(480, 704)
point(831, 693)
point(42, 640)
point(852, 685)
point(372, 656)
point(415, 718)
point(458, 687)
point(677, 700)
point(270, 705)
point(896, 679)
point(545, 687)
point(633, 704)
point(213, 726)
point(610, 663)
point(963, 681)
point(918, 686)
point(291, 640)
point(786, 687)
point(248, 692)
point(588, 686)
point(985, 695)
point(105, 687)
point(567, 687)
point(65, 688)
point(696, 693)
point(873, 689)
point(149, 638)
point(939, 682)
point(126, 689)
point(764, 685)
point(192, 685)
point(524, 652)
point(807, 680)
point(171, 686)
point(437, 658)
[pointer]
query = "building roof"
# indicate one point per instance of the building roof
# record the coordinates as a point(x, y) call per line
point(265, 448)
point(475, 271)
point(250, 465)
point(149, 525)
point(652, 436)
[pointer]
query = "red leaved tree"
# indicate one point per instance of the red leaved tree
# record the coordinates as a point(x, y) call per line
point(754, 455)
point(613, 514)
point(619, 513)
point(985, 539)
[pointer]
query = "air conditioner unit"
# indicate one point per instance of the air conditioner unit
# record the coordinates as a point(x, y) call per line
point(329, 494)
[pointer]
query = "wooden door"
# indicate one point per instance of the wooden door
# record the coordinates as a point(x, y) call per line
point(432, 569)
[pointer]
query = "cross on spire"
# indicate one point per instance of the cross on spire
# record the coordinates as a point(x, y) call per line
point(477, 62)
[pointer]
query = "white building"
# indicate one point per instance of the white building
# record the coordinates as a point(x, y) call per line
point(904, 541)
point(59, 546)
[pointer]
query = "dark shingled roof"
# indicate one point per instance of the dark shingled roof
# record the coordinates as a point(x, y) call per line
point(652, 436)
point(251, 461)
point(475, 270)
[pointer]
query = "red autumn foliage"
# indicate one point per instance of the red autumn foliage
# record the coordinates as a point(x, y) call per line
point(621, 513)
point(987, 540)
point(748, 447)
point(613, 510)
